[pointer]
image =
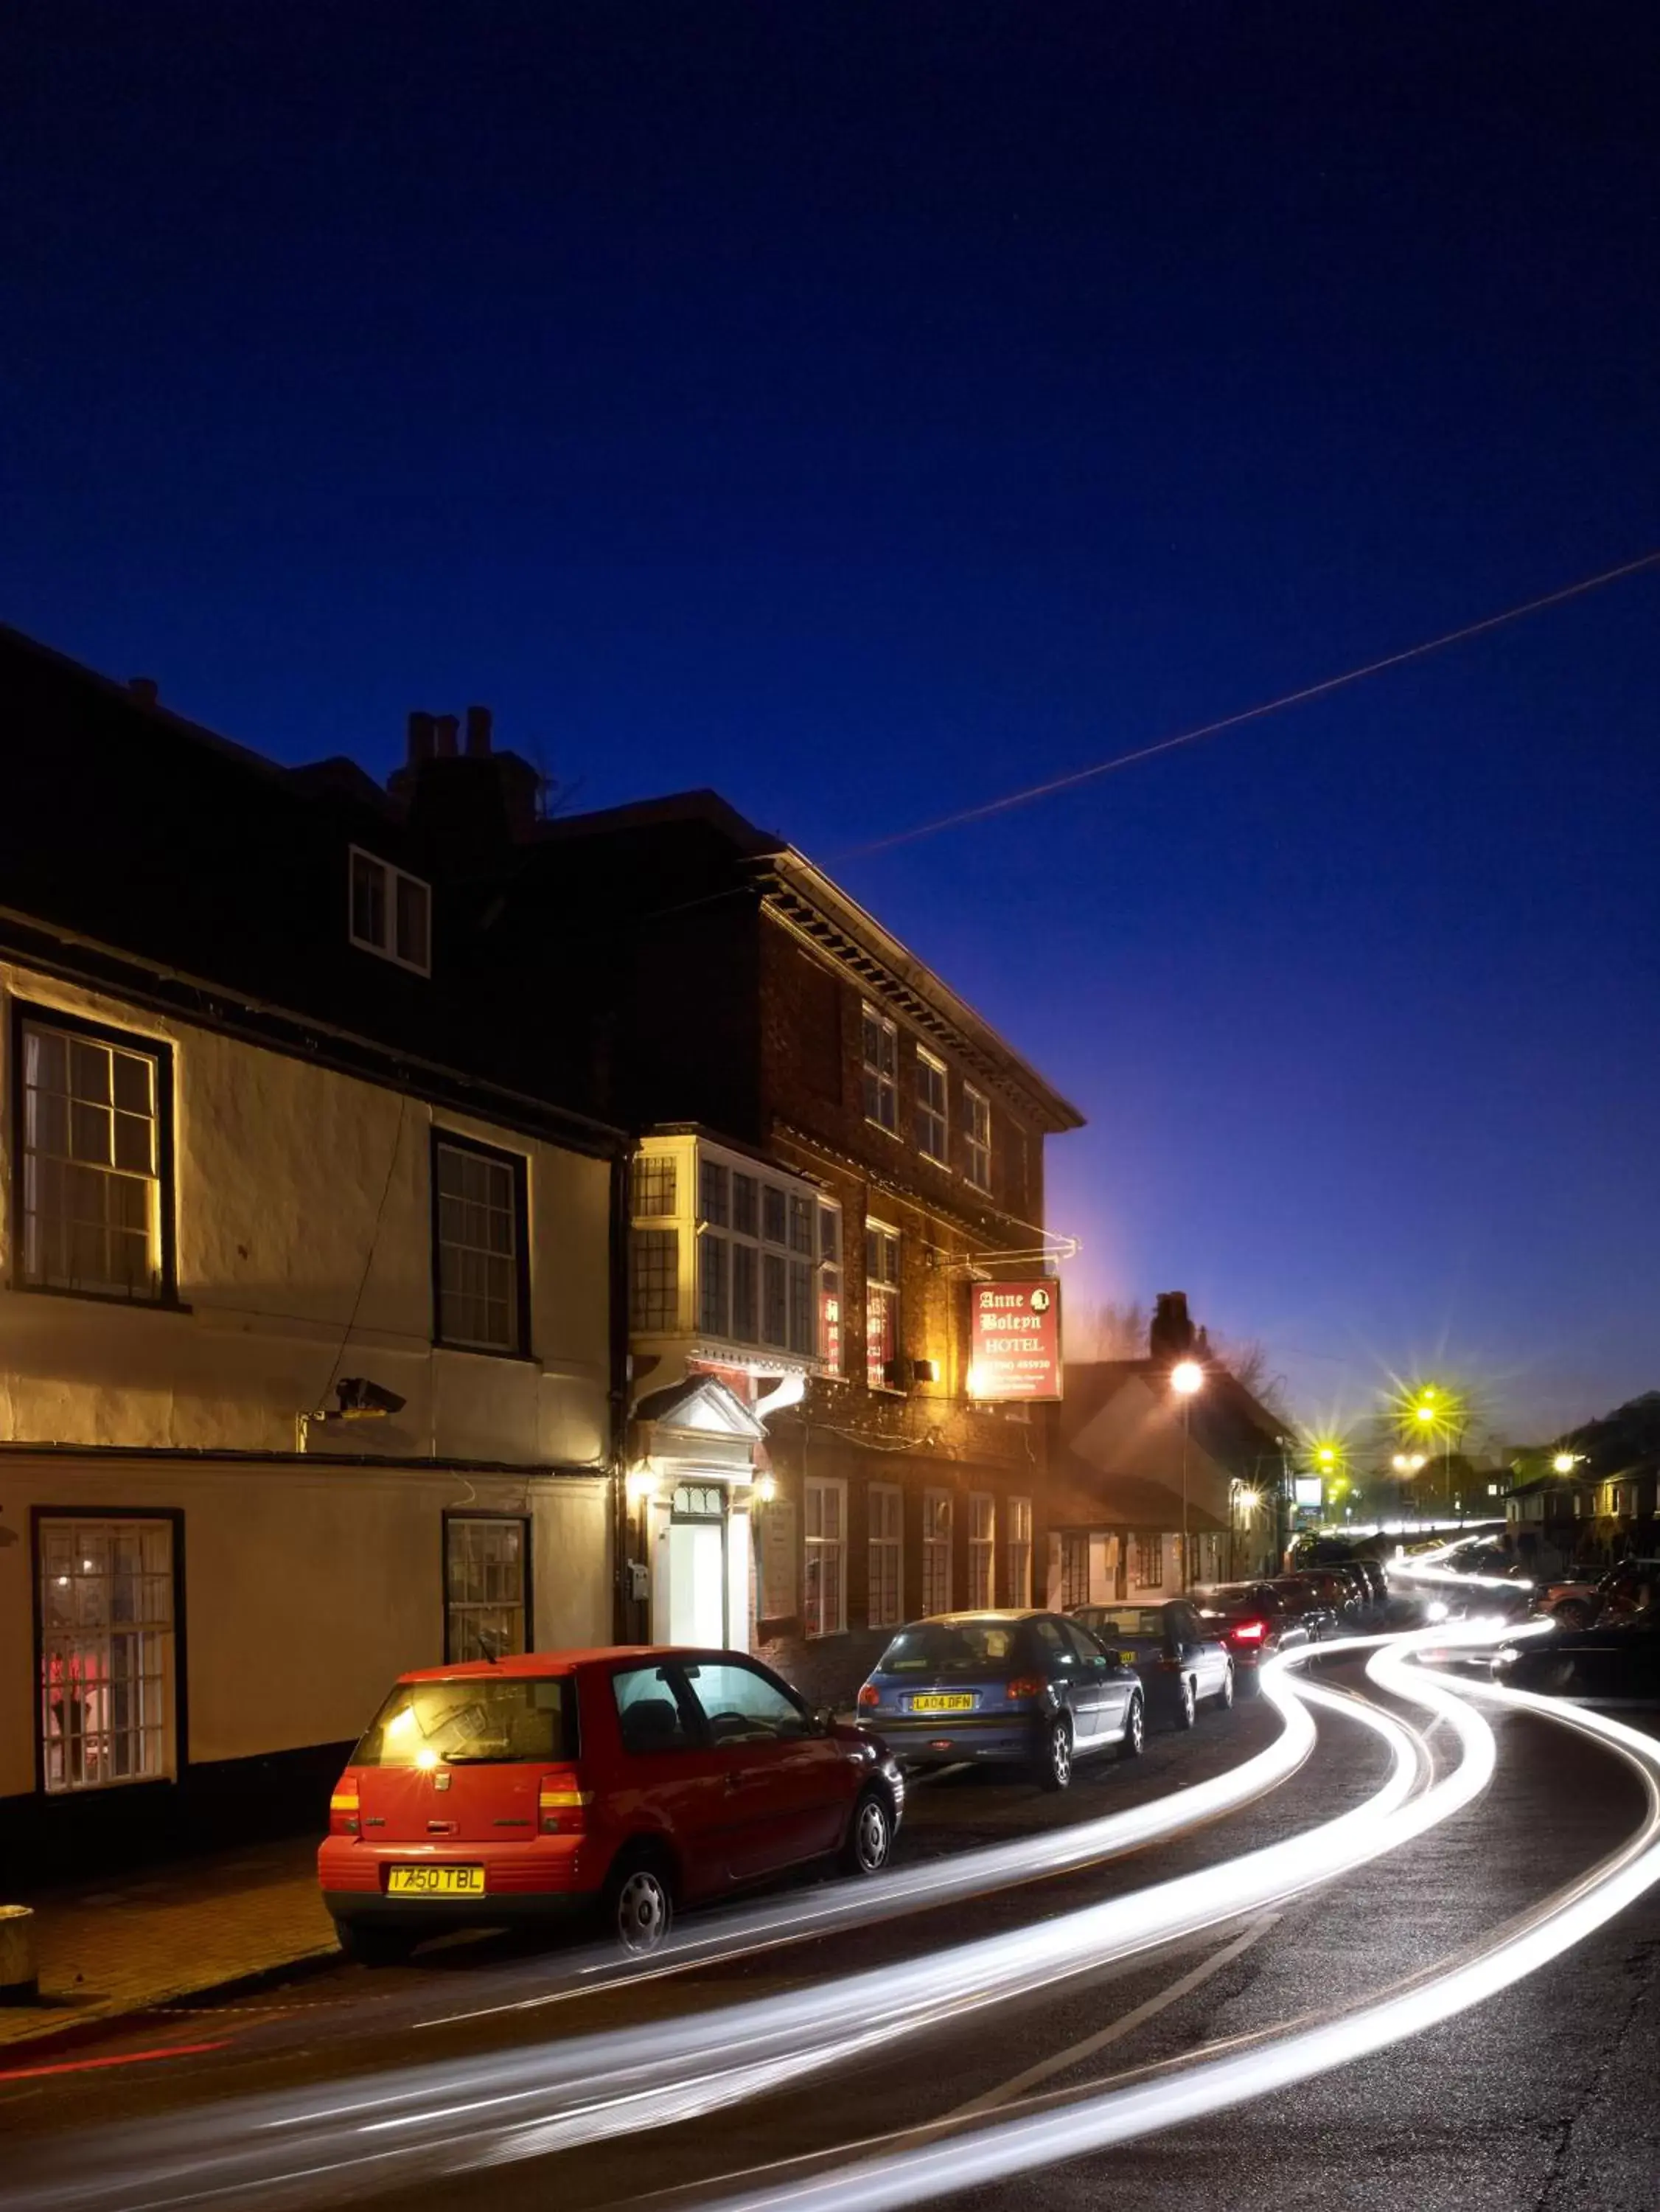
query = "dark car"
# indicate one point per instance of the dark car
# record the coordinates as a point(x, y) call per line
point(1624, 1589)
point(1337, 1593)
point(1617, 1662)
point(1253, 1621)
point(1373, 1592)
point(1179, 1663)
point(630, 1778)
point(1298, 1592)
point(1011, 1688)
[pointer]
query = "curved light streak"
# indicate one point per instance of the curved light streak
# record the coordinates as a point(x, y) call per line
point(1093, 2122)
point(447, 2115)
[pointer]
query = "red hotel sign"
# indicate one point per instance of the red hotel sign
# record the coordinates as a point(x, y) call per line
point(1016, 1343)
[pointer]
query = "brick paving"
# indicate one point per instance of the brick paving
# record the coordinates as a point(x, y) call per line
point(111, 1946)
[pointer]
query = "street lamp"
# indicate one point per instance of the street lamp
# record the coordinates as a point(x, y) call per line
point(1186, 1377)
point(1565, 1462)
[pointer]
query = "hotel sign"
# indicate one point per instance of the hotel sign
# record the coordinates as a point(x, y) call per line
point(1016, 1341)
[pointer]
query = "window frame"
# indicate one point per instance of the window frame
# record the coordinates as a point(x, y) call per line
point(886, 1082)
point(180, 1734)
point(524, 1523)
point(27, 1011)
point(1018, 1541)
point(820, 1483)
point(889, 1492)
point(932, 1545)
point(888, 1292)
point(976, 1149)
point(392, 876)
point(518, 1165)
point(982, 1550)
point(930, 1115)
point(1074, 1562)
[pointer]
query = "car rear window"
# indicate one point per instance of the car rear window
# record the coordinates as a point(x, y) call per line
point(473, 1721)
point(967, 1647)
point(1145, 1621)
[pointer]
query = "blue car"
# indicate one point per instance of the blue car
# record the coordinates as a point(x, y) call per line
point(1012, 1688)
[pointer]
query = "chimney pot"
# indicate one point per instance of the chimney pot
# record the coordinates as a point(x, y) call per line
point(144, 688)
point(445, 727)
point(420, 739)
point(478, 730)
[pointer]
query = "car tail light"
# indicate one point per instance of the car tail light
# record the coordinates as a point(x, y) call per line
point(344, 1807)
point(1247, 1631)
point(1027, 1685)
point(562, 1807)
point(870, 1697)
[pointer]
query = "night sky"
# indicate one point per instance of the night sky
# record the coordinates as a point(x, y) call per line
point(869, 409)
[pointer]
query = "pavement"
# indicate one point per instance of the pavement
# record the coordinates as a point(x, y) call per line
point(111, 1947)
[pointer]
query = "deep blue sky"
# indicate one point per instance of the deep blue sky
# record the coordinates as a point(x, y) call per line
point(868, 408)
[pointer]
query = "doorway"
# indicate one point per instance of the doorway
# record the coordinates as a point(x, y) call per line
point(697, 1565)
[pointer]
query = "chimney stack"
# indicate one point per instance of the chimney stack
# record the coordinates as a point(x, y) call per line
point(445, 727)
point(144, 688)
point(420, 739)
point(478, 732)
point(1172, 1334)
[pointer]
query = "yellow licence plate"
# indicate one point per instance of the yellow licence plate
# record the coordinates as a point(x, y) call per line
point(435, 1881)
point(931, 1705)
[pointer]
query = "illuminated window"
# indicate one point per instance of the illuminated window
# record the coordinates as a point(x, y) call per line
point(935, 1551)
point(885, 1574)
point(106, 1650)
point(486, 1603)
point(654, 1280)
point(932, 1127)
point(1074, 1572)
point(713, 1203)
point(774, 1299)
point(93, 1161)
point(1018, 1554)
point(982, 1548)
point(824, 1603)
point(977, 1138)
point(391, 912)
point(830, 1284)
point(652, 1180)
point(882, 1062)
point(482, 1256)
point(881, 1304)
point(1146, 1562)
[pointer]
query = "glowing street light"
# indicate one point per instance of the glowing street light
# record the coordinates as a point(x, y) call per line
point(1566, 1461)
point(1187, 1378)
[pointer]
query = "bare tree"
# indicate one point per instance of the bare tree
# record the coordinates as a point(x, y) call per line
point(1251, 1364)
point(1106, 1331)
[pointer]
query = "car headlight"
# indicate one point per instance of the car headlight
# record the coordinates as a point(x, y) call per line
point(1506, 1655)
point(1436, 1609)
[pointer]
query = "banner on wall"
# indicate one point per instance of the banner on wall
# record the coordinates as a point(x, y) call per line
point(1015, 1344)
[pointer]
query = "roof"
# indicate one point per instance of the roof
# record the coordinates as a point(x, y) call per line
point(1080, 1497)
point(1225, 1420)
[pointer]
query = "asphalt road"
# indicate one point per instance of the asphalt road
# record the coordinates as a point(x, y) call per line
point(1541, 2098)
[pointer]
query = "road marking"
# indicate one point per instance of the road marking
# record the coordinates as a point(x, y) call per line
point(1117, 2030)
point(125, 2058)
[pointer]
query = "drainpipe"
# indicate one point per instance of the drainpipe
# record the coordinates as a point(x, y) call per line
point(623, 1604)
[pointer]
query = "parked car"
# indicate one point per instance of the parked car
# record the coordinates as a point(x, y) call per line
point(1375, 1577)
point(1178, 1661)
point(1297, 1592)
point(1337, 1593)
point(1007, 1688)
point(1616, 1662)
point(629, 1780)
point(1254, 1623)
point(1624, 1589)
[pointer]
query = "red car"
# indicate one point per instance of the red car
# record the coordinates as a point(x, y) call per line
point(632, 1780)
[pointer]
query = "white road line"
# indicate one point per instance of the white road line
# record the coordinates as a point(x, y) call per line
point(1117, 2030)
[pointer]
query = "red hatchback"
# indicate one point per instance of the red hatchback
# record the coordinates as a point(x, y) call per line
point(498, 1792)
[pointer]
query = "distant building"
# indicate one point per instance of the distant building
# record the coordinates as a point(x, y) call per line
point(1133, 1461)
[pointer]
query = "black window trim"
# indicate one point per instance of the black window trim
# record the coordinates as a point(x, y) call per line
point(519, 1163)
point(160, 1049)
point(478, 1513)
point(181, 1678)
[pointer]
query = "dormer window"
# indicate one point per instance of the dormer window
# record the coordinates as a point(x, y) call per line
point(391, 912)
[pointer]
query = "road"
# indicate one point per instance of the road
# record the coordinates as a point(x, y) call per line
point(1540, 2097)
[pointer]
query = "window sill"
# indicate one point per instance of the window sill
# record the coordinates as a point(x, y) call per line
point(169, 1301)
point(886, 1131)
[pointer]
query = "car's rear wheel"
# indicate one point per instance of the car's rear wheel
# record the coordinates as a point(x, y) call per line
point(871, 1838)
point(1187, 1705)
point(1225, 1695)
point(374, 1946)
point(639, 1904)
point(1055, 1767)
point(1133, 1741)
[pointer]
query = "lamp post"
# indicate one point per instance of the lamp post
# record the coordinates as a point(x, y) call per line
point(1186, 1377)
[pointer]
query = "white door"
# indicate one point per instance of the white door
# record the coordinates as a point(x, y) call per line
point(697, 1584)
